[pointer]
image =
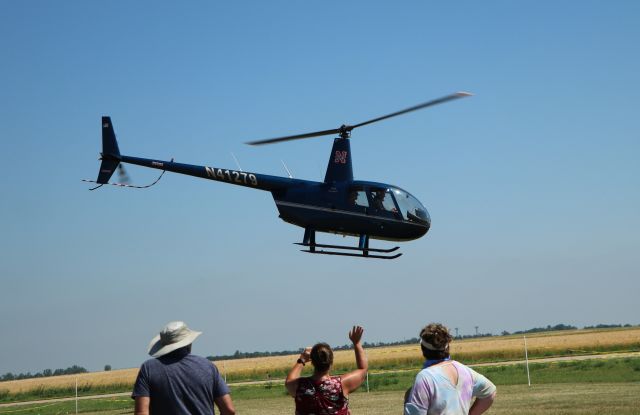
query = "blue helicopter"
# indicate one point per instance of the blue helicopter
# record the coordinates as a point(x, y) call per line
point(339, 204)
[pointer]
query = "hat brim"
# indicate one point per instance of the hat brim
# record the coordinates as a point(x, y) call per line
point(157, 349)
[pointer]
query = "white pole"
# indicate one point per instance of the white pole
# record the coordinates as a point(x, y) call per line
point(224, 369)
point(526, 358)
point(76, 394)
point(367, 356)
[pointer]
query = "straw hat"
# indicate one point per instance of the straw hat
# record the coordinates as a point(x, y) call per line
point(173, 336)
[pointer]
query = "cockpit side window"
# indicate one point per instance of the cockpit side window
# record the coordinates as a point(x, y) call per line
point(357, 197)
point(382, 200)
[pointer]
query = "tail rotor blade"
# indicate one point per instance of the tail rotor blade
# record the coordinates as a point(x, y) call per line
point(122, 174)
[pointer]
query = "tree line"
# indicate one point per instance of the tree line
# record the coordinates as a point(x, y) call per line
point(559, 327)
point(45, 373)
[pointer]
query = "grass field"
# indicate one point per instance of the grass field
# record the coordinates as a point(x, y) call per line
point(551, 399)
point(569, 387)
point(498, 348)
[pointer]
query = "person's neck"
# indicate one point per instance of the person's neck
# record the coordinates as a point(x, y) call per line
point(320, 375)
point(432, 362)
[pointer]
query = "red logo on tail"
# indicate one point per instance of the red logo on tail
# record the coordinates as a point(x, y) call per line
point(341, 157)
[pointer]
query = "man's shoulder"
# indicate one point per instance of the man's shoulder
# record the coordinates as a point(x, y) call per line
point(149, 363)
point(200, 361)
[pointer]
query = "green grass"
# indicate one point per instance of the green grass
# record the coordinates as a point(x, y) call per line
point(469, 358)
point(620, 398)
point(569, 387)
point(69, 407)
point(583, 371)
point(42, 392)
point(586, 371)
point(551, 399)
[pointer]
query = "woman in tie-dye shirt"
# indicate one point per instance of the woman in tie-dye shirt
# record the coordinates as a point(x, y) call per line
point(445, 386)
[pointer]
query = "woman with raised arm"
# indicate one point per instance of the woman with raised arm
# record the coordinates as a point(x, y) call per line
point(445, 386)
point(321, 393)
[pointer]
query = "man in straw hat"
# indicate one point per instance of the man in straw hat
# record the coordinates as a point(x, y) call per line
point(177, 382)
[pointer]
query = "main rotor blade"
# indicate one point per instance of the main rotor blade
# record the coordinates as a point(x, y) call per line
point(294, 137)
point(415, 108)
point(347, 128)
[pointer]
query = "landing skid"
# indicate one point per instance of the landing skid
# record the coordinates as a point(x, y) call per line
point(362, 255)
point(354, 248)
point(309, 241)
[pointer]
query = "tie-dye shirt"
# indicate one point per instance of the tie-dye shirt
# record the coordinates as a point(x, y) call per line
point(433, 393)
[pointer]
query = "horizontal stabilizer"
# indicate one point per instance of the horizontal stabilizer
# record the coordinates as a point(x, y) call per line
point(107, 168)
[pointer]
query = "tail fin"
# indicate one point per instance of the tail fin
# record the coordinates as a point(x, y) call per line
point(339, 168)
point(110, 152)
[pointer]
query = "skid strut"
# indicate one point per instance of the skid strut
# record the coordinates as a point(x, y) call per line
point(309, 240)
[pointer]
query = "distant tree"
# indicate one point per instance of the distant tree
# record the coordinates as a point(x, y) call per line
point(505, 333)
point(74, 370)
point(107, 368)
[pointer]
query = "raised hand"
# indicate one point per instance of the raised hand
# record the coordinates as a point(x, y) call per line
point(306, 354)
point(355, 335)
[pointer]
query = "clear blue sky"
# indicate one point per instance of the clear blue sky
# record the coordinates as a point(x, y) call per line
point(532, 184)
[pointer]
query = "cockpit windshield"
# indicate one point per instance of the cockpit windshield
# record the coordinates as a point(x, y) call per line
point(410, 207)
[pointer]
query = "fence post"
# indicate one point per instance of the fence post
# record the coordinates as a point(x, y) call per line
point(526, 358)
point(367, 356)
point(76, 394)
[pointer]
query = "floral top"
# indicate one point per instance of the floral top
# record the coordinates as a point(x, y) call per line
point(324, 397)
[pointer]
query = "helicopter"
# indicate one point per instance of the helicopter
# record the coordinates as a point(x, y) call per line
point(338, 205)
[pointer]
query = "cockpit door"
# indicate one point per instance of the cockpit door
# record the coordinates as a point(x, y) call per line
point(382, 202)
point(357, 199)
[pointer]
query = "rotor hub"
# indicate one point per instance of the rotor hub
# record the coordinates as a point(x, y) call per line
point(344, 131)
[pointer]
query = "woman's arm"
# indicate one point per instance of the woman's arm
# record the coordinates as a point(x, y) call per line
point(481, 405)
point(294, 374)
point(485, 392)
point(352, 380)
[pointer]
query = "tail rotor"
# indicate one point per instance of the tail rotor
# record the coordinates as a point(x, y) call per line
point(111, 160)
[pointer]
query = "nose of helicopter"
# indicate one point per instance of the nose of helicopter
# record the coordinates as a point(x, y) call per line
point(427, 220)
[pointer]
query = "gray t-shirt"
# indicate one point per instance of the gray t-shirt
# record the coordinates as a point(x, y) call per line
point(180, 383)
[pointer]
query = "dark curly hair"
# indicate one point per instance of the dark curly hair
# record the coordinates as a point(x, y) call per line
point(437, 336)
point(321, 357)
